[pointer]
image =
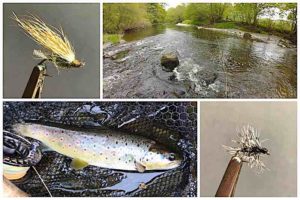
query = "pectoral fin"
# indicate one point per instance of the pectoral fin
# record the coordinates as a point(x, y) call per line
point(140, 167)
point(78, 164)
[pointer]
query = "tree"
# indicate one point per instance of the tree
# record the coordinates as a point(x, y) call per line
point(292, 9)
point(216, 12)
point(120, 17)
point(175, 15)
point(197, 12)
point(156, 13)
point(249, 12)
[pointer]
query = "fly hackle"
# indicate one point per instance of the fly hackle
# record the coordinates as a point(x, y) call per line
point(249, 148)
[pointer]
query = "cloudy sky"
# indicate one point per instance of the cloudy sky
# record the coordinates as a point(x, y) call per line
point(172, 4)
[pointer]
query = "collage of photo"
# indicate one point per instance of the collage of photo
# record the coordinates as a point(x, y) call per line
point(149, 99)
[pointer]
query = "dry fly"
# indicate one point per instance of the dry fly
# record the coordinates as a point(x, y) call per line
point(58, 48)
point(249, 148)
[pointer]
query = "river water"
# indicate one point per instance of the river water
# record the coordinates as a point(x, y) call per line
point(212, 65)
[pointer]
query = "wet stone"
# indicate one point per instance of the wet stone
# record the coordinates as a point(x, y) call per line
point(120, 55)
point(285, 44)
point(169, 61)
point(207, 77)
point(247, 36)
point(172, 77)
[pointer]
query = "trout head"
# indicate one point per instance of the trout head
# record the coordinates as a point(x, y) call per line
point(22, 129)
point(34, 131)
point(159, 158)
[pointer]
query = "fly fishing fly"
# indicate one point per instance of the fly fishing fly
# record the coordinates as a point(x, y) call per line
point(58, 48)
point(250, 148)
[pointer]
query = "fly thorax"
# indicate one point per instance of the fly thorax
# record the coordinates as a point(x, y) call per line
point(77, 63)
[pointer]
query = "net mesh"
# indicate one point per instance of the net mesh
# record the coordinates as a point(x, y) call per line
point(173, 124)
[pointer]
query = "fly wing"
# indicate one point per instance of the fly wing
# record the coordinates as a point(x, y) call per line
point(39, 54)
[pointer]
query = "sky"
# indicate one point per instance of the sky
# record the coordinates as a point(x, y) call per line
point(172, 4)
point(276, 15)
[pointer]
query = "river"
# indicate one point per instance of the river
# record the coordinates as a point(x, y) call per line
point(212, 65)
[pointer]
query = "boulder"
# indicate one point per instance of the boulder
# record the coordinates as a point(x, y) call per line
point(169, 61)
point(247, 36)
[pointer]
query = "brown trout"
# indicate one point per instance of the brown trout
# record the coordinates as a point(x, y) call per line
point(107, 149)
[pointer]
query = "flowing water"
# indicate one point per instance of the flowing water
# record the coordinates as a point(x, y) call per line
point(212, 65)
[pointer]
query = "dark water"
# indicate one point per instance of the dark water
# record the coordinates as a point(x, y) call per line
point(141, 34)
point(212, 65)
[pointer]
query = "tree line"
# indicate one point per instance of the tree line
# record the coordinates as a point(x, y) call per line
point(247, 13)
point(121, 17)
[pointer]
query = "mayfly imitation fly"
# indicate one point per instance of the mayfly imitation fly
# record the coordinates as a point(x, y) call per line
point(249, 148)
point(58, 48)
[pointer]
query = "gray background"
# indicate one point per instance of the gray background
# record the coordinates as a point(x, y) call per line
point(276, 121)
point(81, 24)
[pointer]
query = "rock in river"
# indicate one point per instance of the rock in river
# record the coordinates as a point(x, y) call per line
point(247, 36)
point(169, 60)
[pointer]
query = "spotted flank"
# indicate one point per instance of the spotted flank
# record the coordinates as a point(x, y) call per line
point(108, 149)
point(249, 148)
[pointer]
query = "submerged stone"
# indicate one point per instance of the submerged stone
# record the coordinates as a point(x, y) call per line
point(247, 36)
point(208, 77)
point(285, 43)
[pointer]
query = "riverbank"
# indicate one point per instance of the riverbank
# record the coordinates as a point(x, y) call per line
point(236, 31)
point(117, 38)
point(112, 38)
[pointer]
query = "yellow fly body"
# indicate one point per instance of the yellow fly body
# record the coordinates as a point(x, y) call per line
point(62, 53)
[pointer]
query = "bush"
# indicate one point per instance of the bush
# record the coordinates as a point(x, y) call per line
point(113, 38)
point(277, 25)
point(187, 22)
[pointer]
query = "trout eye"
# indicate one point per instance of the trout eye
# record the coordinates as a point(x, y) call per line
point(171, 157)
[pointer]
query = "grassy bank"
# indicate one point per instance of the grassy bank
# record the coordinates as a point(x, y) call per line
point(278, 28)
point(262, 27)
point(113, 38)
point(226, 25)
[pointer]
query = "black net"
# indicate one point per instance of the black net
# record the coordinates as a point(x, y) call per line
point(173, 124)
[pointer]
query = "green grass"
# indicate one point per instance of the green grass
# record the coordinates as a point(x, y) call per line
point(187, 22)
point(277, 25)
point(226, 25)
point(195, 22)
point(113, 38)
